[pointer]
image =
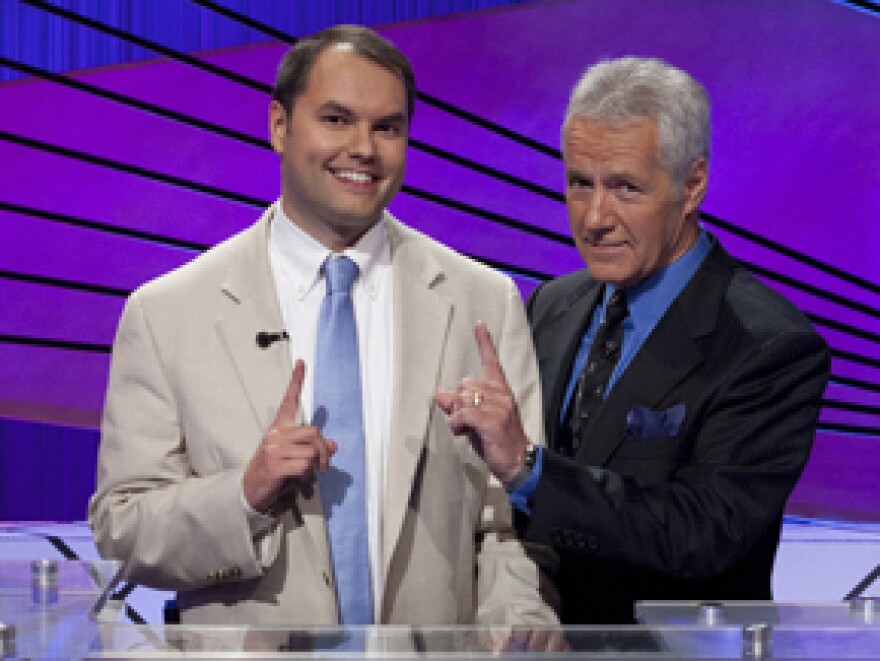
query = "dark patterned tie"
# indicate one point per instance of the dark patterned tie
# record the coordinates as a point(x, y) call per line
point(593, 381)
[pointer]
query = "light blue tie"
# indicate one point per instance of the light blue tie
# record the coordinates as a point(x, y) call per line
point(338, 413)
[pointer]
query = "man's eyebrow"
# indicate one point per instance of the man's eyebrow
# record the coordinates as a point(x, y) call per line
point(338, 108)
point(393, 118)
point(627, 175)
point(333, 106)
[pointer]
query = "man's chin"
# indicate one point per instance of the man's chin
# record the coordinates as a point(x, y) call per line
point(354, 223)
point(618, 278)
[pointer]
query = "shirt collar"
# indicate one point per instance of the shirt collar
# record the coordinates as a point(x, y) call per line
point(303, 256)
point(649, 300)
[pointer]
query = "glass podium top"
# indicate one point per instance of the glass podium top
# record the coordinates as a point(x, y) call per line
point(854, 613)
point(62, 610)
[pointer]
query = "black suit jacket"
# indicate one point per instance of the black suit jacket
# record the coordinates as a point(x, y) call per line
point(693, 514)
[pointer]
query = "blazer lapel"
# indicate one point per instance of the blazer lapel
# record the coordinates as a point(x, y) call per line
point(253, 306)
point(556, 354)
point(669, 354)
point(667, 357)
point(421, 319)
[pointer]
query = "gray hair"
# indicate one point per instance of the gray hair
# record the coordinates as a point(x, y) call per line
point(633, 88)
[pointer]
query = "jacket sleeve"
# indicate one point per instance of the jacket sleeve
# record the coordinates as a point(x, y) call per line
point(173, 528)
point(727, 488)
point(514, 577)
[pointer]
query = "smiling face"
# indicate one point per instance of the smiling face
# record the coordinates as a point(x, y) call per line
point(626, 216)
point(342, 147)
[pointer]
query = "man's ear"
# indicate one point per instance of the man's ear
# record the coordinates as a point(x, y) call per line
point(277, 126)
point(695, 185)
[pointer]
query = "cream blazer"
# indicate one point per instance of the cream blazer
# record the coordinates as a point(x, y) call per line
point(190, 396)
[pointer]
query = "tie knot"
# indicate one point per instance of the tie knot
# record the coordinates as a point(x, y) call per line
point(340, 273)
point(616, 310)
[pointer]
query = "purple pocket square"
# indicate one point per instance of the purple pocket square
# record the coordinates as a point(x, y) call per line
point(643, 422)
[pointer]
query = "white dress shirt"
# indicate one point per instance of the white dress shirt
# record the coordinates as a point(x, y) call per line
point(296, 260)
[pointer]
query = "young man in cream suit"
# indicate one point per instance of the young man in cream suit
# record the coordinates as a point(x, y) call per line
point(207, 475)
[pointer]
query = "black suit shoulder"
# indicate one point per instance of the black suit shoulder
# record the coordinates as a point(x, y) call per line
point(556, 295)
point(553, 291)
point(754, 322)
point(763, 311)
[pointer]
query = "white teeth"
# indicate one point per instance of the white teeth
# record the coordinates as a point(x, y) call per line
point(357, 177)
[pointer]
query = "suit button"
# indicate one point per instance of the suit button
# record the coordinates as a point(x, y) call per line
point(326, 578)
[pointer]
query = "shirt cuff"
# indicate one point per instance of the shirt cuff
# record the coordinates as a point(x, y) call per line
point(521, 497)
point(258, 522)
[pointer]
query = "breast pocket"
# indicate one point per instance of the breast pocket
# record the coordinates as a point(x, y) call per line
point(649, 459)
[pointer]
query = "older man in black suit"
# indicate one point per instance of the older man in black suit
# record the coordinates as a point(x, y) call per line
point(680, 394)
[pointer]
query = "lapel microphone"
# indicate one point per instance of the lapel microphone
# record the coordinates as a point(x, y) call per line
point(266, 338)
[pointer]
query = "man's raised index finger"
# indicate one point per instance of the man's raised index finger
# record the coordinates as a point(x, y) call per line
point(488, 356)
point(288, 411)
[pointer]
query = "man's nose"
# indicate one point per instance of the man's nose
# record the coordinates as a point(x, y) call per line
point(598, 213)
point(363, 143)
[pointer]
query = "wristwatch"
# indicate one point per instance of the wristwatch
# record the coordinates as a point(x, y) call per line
point(530, 455)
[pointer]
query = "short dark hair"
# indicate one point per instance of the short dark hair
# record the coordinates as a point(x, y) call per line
point(296, 65)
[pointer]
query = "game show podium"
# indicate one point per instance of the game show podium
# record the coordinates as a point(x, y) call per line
point(67, 610)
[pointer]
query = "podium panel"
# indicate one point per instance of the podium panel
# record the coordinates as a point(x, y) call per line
point(70, 610)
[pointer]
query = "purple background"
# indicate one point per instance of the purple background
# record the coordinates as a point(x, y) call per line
point(796, 159)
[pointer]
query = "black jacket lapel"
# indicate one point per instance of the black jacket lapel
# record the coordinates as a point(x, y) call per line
point(558, 334)
point(671, 352)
